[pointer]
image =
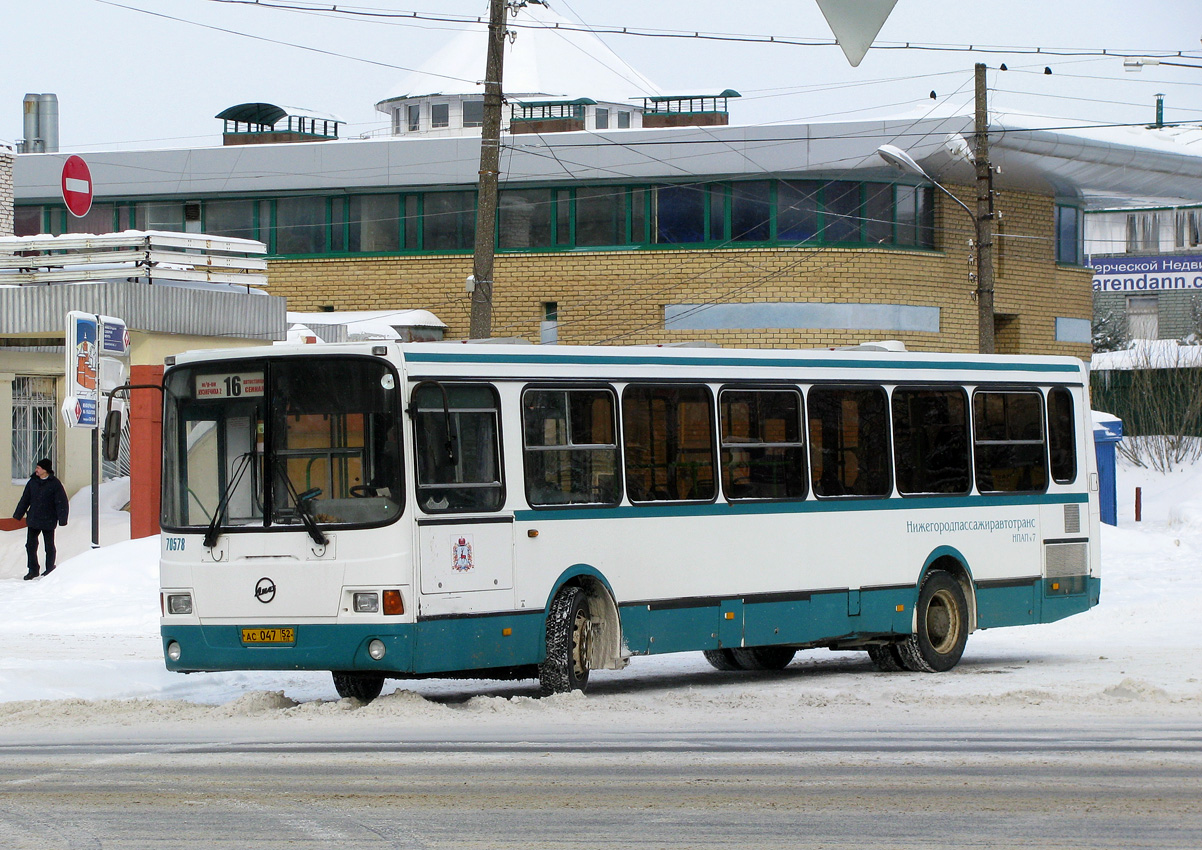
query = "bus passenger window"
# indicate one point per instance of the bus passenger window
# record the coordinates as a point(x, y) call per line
point(930, 441)
point(669, 443)
point(1061, 444)
point(458, 448)
point(849, 441)
point(571, 451)
point(763, 452)
point(1008, 441)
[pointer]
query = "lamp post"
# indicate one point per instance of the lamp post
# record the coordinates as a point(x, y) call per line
point(983, 267)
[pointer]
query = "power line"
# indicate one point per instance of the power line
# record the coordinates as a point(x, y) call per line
point(276, 41)
point(647, 32)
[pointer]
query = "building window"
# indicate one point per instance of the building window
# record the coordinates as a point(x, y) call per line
point(679, 214)
point(415, 117)
point(230, 218)
point(549, 326)
point(374, 223)
point(797, 210)
point(440, 115)
point(27, 221)
point(1143, 316)
point(751, 211)
point(300, 226)
point(449, 221)
point(1068, 235)
point(602, 118)
point(623, 120)
point(524, 218)
point(33, 424)
point(473, 113)
point(843, 211)
point(600, 216)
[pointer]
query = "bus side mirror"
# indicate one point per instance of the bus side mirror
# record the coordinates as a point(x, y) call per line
point(111, 438)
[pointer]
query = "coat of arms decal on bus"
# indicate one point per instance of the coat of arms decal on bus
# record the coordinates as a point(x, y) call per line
point(461, 560)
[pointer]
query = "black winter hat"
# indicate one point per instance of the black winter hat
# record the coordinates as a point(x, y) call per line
point(45, 464)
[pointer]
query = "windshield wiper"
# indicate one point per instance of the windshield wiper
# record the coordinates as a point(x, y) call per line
point(212, 533)
point(302, 500)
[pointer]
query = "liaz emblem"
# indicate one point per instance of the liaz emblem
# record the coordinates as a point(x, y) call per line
point(462, 558)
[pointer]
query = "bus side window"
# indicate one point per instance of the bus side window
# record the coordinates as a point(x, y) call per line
point(458, 459)
point(1061, 442)
point(571, 452)
point(763, 452)
point(1008, 441)
point(668, 434)
point(930, 440)
point(849, 441)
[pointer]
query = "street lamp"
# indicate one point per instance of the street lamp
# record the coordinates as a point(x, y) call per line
point(902, 161)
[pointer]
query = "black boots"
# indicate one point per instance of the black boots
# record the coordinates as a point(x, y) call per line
point(29, 576)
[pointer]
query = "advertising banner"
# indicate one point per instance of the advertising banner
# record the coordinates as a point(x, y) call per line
point(83, 371)
point(97, 358)
point(1157, 273)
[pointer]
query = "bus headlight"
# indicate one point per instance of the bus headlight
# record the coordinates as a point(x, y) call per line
point(179, 603)
point(376, 649)
point(367, 603)
point(173, 651)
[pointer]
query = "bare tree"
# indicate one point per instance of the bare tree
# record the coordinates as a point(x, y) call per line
point(1163, 410)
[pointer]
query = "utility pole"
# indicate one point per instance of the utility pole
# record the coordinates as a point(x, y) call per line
point(490, 163)
point(984, 218)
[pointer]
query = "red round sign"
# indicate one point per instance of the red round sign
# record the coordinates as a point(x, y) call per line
point(77, 186)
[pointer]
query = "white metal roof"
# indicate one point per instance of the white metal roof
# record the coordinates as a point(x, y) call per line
point(543, 61)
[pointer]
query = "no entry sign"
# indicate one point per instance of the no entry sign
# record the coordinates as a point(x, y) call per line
point(77, 186)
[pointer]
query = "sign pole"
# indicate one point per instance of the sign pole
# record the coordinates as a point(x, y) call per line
point(95, 488)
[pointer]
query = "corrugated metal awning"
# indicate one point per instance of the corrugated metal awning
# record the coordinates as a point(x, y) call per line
point(41, 310)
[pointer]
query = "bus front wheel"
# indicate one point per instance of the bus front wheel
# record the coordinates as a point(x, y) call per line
point(569, 626)
point(362, 686)
point(942, 628)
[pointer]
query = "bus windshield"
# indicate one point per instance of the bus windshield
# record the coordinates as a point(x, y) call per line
point(281, 442)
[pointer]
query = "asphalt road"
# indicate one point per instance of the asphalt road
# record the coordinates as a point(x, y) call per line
point(926, 787)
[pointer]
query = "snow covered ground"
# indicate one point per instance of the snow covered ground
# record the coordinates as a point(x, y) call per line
point(81, 647)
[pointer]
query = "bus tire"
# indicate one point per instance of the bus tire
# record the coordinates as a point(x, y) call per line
point(764, 657)
point(361, 686)
point(942, 627)
point(569, 626)
point(886, 657)
point(722, 659)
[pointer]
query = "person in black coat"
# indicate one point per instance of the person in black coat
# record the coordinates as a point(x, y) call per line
point(43, 505)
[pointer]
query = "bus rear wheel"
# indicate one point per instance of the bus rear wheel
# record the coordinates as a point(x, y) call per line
point(361, 686)
point(942, 628)
point(569, 628)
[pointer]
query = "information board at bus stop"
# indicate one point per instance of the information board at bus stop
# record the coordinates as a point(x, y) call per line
point(97, 361)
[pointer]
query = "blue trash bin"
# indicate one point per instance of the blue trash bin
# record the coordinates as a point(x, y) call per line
point(1107, 431)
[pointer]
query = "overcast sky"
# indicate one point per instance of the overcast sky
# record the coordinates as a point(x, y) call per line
point(126, 79)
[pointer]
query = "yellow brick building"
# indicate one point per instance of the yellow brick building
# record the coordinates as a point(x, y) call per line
point(620, 296)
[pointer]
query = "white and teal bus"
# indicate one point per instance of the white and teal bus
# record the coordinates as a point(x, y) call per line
point(499, 511)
